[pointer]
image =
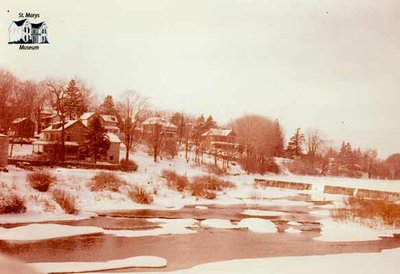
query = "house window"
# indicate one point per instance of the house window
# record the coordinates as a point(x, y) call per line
point(68, 138)
point(111, 158)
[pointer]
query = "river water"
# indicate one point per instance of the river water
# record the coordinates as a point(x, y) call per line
point(188, 250)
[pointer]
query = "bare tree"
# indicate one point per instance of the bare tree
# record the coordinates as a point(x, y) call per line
point(132, 108)
point(7, 88)
point(155, 139)
point(40, 101)
point(314, 142)
point(370, 156)
point(57, 93)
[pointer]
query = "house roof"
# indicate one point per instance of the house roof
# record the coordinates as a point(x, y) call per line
point(49, 116)
point(19, 120)
point(20, 22)
point(159, 121)
point(109, 118)
point(37, 25)
point(87, 115)
point(113, 138)
point(59, 128)
point(217, 132)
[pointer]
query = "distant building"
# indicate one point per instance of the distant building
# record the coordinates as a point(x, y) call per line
point(87, 117)
point(74, 134)
point(167, 129)
point(113, 151)
point(109, 122)
point(219, 139)
point(23, 127)
point(49, 118)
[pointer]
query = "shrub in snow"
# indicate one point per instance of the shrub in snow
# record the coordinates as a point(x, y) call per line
point(369, 211)
point(175, 181)
point(214, 169)
point(128, 165)
point(41, 180)
point(252, 165)
point(207, 186)
point(140, 195)
point(65, 200)
point(106, 181)
point(11, 203)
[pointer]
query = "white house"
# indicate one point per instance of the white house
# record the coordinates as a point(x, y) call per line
point(23, 31)
point(39, 33)
point(20, 31)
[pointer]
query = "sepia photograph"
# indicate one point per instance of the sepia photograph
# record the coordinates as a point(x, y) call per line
point(200, 136)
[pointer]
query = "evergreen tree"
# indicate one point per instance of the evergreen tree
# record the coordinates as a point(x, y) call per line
point(73, 102)
point(107, 107)
point(210, 123)
point(178, 120)
point(200, 126)
point(199, 129)
point(348, 161)
point(279, 139)
point(295, 144)
point(96, 141)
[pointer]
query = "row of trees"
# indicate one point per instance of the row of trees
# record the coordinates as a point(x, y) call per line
point(313, 155)
point(260, 138)
point(30, 98)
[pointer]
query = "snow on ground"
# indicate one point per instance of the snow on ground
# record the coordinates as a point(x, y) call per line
point(21, 150)
point(347, 232)
point(168, 226)
point(63, 267)
point(75, 181)
point(35, 232)
point(294, 223)
point(217, 223)
point(36, 217)
point(356, 263)
point(320, 213)
point(254, 212)
point(292, 230)
point(258, 225)
point(201, 207)
point(374, 184)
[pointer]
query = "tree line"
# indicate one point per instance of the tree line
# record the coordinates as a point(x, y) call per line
point(260, 138)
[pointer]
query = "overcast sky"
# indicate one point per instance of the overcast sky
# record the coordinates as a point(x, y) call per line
point(327, 64)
